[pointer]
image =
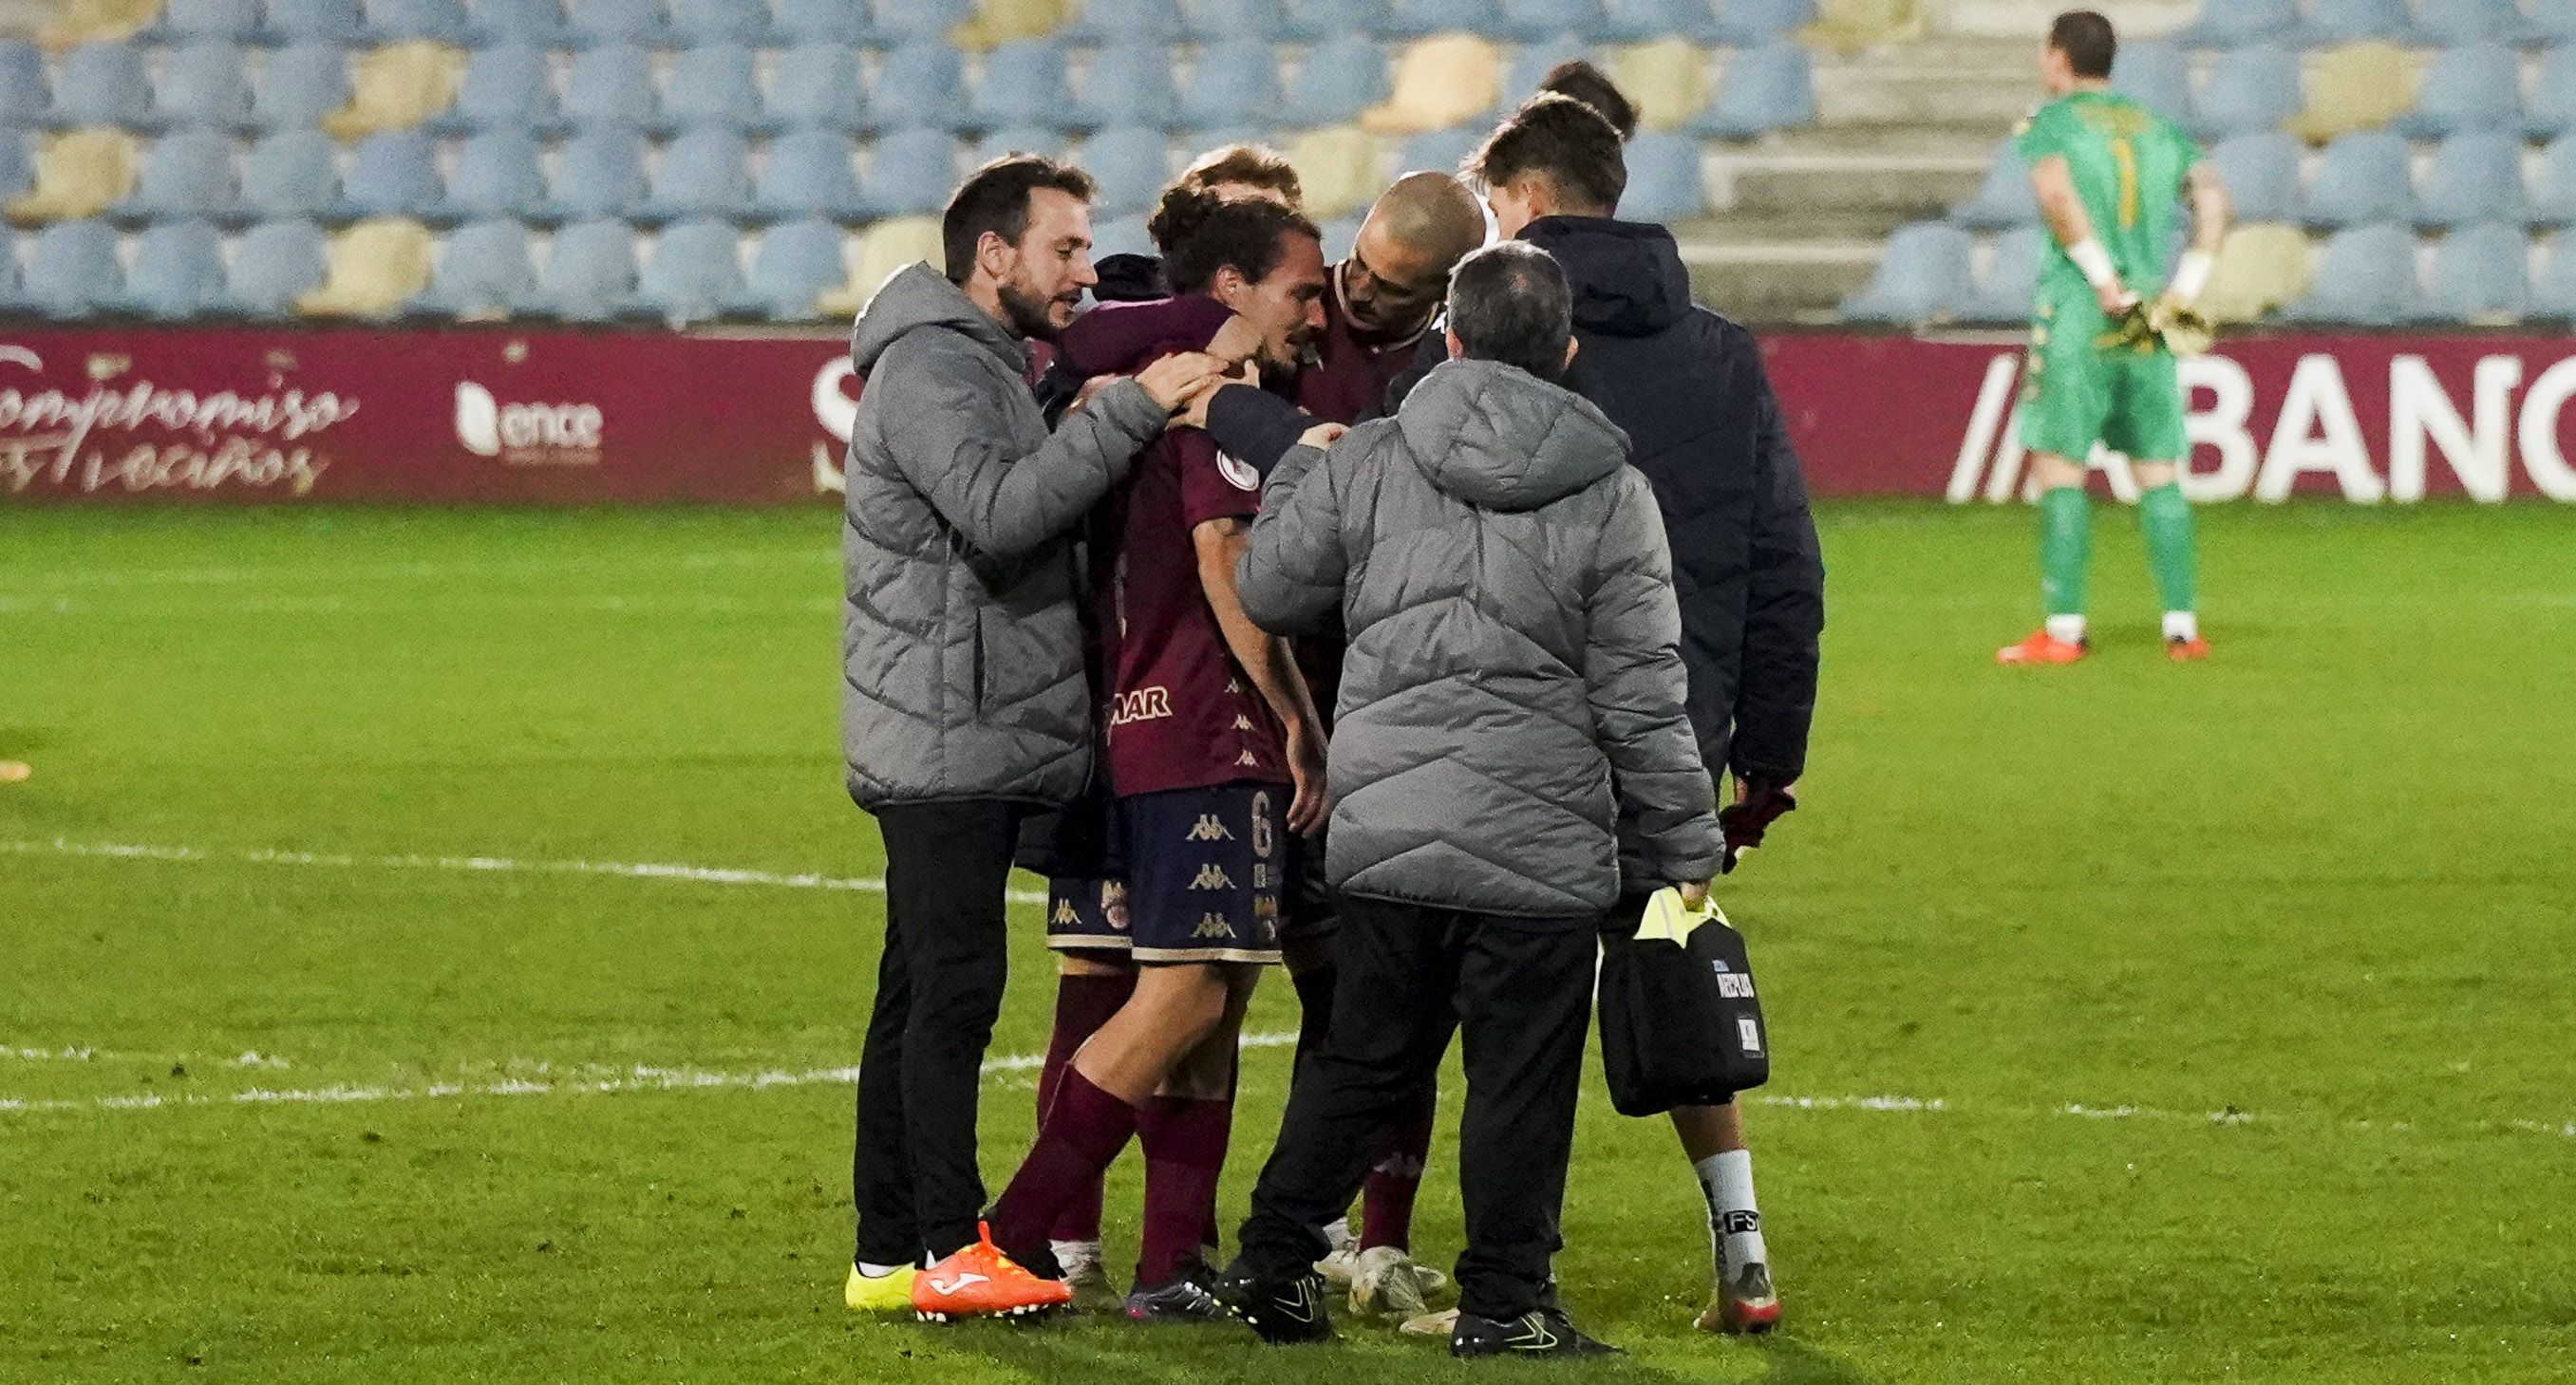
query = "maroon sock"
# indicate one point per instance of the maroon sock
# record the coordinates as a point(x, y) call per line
point(1083, 1003)
point(1184, 1140)
point(1386, 1199)
point(1085, 1129)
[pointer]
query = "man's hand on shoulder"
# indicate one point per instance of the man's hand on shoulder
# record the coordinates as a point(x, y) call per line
point(1173, 380)
point(1194, 410)
point(1323, 435)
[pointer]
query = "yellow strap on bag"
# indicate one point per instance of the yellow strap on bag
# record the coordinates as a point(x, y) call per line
point(1668, 918)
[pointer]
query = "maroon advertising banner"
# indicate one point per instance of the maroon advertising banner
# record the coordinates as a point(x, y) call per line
point(558, 417)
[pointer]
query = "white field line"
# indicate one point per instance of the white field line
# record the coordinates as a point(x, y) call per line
point(504, 865)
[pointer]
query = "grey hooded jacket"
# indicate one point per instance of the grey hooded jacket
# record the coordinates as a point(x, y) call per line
point(962, 671)
point(1514, 672)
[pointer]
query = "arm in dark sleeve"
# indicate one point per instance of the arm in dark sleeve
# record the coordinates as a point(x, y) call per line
point(1633, 675)
point(1784, 607)
point(1434, 350)
point(1254, 426)
point(1291, 574)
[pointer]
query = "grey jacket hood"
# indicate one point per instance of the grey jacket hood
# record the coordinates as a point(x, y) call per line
point(919, 296)
point(1500, 438)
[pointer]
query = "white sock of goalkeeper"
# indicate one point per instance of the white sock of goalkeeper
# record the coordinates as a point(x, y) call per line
point(1734, 1222)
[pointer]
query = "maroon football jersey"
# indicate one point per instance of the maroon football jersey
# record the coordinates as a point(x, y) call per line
point(1348, 383)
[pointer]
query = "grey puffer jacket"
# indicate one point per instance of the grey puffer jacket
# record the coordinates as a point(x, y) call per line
point(962, 672)
point(1514, 673)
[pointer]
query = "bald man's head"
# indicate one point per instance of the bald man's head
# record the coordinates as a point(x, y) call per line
point(1399, 265)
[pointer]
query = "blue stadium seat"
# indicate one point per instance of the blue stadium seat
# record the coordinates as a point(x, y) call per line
point(1022, 84)
point(1530, 21)
point(611, 85)
point(904, 22)
point(716, 85)
point(395, 174)
point(291, 176)
point(2331, 22)
point(2363, 178)
point(598, 173)
point(1120, 235)
point(2156, 76)
point(844, 22)
point(1340, 234)
point(2450, 23)
point(1016, 139)
point(1441, 151)
point(723, 21)
point(808, 174)
point(486, 270)
point(703, 173)
point(1664, 182)
point(2553, 98)
point(2474, 178)
point(1235, 21)
point(2480, 273)
point(1923, 275)
point(188, 174)
point(2474, 88)
point(23, 93)
point(201, 84)
point(2237, 23)
point(2554, 194)
point(1231, 84)
point(440, 21)
point(1529, 66)
point(2261, 172)
point(1422, 18)
point(17, 170)
point(2551, 23)
point(1131, 164)
point(178, 272)
point(100, 84)
point(2253, 88)
point(2010, 285)
point(73, 272)
point(638, 22)
point(536, 23)
point(499, 173)
point(276, 262)
point(816, 86)
point(1643, 21)
point(1341, 77)
point(910, 173)
point(292, 22)
point(1131, 84)
point(793, 266)
point(301, 85)
point(508, 86)
point(695, 274)
point(1752, 23)
point(2553, 294)
point(1765, 89)
point(1125, 21)
point(919, 85)
point(590, 276)
point(2366, 277)
point(184, 21)
point(1314, 21)
point(8, 268)
point(2005, 197)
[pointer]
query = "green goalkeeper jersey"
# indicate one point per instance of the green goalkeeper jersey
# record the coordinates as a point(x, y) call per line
point(2128, 165)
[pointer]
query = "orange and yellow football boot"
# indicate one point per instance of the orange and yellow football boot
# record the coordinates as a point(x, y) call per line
point(2041, 648)
point(2190, 651)
point(981, 1282)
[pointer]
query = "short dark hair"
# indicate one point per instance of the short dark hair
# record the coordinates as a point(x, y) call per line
point(2086, 39)
point(1201, 233)
point(1593, 87)
point(1574, 147)
point(1253, 165)
point(995, 198)
point(1509, 303)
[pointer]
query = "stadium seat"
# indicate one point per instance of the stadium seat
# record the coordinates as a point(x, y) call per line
point(1121, 235)
point(100, 84)
point(1319, 21)
point(822, 21)
point(397, 87)
point(816, 86)
point(611, 85)
point(2252, 89)
point(2474, 178)
point(2473, 88)
point(1764, 89)
point(1131, 163)
point(1664, 181)
point(1529, 66)
point(187, 21)
point(590, 275)
point(808, 174)
point(371, 270)
point(2360, 87)
point(201, 84)
point(292, 175)
point(438, 21)
point(2366, 277)
point(1755, 23)
point(1921, 277)
point(395, 175)
point(536, 23)
point(1017, 139)
point(2480, 274)
point(341, 23)
point(1640, 21)
point(2237, 23)
point(17, 170)
point(2261, 173)
point(910, 173)
point(71, 22)
point(178, 272)
point(1340, 234)
point(714, 85)
point(1440, 151)
point(79, 173)
point(9, 302)
point(2007, 290)
point(1340, 78)
point(2554, 193)
point(486, 271)
point(276, 263)
point(2553, 98)
point(2005, 197)
point(189, 173)
point(703, 173)
point(2452, 23)
point(2552, 23)
point(598, 173)
point(1230, 84)
point(792, 267)
point(301, 85)
point(2332, 22)
point(883, 248)
point(2553, 293)
point(695, 274)
point(2259, 268)
point(73, 272)
point(1439, 82)
point(997, 22)
point(639, 23)
point(2156, 76)
point(1667, 79)
point(2363, 178)
point(1415, 19)
point(1022, 84)
point(499, 173)
point(1528, 21)
point(1126, 21)
point(699, 22)
point(905, 22)
point(508, 87)
point(1235, 21)
point(1338, 167)
point(24, 96)
point(921, 85)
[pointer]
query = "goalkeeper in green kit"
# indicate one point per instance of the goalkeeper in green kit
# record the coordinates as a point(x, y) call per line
point(2110, 175)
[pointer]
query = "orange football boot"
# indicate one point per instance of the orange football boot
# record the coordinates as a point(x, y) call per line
point(2190, 651)
point(981, 1282)
point(2041, 648)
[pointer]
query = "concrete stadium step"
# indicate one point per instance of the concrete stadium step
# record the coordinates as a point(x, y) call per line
point(1892, 187)
point(1778, 281)
point(2028, 20)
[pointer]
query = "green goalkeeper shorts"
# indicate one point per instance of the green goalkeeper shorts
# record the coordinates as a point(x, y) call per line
point(2081, 387)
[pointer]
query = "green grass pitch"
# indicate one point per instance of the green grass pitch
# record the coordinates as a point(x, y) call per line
point(2136, 1022)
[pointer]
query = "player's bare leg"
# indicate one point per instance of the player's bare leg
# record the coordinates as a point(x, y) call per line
point(2065, 551)
point(1090, 987)
point(2164, 522)
point(1184, 1129)
point(1713, 1140)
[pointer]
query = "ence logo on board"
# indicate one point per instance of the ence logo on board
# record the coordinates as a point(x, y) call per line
point(527, 434)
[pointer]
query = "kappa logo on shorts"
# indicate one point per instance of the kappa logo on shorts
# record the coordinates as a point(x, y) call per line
point(1213, 926)
point(1064, 916)
point(1212, 877)
point(1209, 828)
